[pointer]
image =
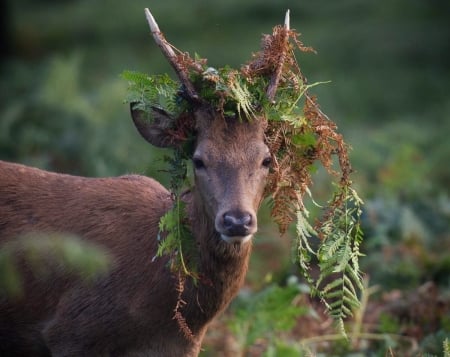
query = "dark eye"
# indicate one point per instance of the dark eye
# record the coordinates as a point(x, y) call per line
point(267, 162)
point(198, 163)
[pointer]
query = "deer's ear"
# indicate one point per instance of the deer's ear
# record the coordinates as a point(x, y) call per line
point(154, 127)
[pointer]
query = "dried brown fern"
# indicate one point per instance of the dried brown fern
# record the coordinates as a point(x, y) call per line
point(178, 316)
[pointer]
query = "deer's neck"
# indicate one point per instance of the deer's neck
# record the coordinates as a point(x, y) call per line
point(221, 266)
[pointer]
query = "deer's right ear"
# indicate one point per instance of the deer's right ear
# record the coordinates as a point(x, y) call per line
point(154, 127)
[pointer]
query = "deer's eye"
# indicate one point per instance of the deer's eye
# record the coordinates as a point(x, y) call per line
point(198, 163)
point(267, 162)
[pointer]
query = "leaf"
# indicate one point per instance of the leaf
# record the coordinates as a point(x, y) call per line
point(154, 91)
point(304, 140)
point(266, 313)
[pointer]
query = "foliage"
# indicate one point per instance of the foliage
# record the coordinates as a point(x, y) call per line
point(50, 120)
point(270, 88)
point(149, 91)
point(175, 238)
point(363, 338)
point(266, 315)
point(338, 259)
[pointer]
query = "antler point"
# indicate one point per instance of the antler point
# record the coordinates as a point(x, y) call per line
point(287, 20)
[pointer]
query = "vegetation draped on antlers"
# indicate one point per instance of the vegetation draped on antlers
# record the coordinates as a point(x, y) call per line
point(270, 87)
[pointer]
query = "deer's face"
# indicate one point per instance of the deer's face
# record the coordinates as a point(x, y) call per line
point(231, 163)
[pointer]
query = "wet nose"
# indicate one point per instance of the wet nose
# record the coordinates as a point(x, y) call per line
point(237, 223)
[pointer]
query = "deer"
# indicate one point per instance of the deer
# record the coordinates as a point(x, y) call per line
point(129, 310)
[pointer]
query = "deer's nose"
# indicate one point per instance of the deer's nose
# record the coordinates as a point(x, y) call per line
point(238, 224)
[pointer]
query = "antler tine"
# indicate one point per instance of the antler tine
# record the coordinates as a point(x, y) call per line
point(271, 90)
point(287, 20)
point(170, 55)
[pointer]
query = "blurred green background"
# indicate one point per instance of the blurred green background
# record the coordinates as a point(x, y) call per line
point(62, 109)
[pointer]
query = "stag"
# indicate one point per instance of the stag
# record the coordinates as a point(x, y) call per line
point(130, 309)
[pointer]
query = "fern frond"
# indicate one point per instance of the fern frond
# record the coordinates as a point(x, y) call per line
point(355, 275)
point(341, 326)
point(338, 258)
point(240, 93)
point(333, 285)
point(446, 345)
point(304, 230)
point(302, 249)
point(153, 91)
point(178, 243)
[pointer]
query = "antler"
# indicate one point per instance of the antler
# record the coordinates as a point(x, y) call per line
point(271, 90)
point(169, 53)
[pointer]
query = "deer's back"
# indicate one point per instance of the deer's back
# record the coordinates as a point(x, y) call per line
point(104, 210)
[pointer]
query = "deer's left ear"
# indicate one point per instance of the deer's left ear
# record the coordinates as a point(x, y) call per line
point(155, 126)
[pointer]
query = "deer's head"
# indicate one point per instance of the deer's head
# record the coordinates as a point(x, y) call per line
point(231, 162)
point(230, 157)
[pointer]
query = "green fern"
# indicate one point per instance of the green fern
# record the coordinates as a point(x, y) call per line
point(175, 237)
point(286, 104)
point(446, 345)
point(302, 250)
point(215, 85)
point(338, 258)
point(241, 95)
point(153, 91)
point(178, 243)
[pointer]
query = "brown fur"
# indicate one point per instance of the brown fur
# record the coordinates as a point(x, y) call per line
point(130, 310)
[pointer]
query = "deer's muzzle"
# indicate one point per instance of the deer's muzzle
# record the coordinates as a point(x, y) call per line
point(236, 226)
